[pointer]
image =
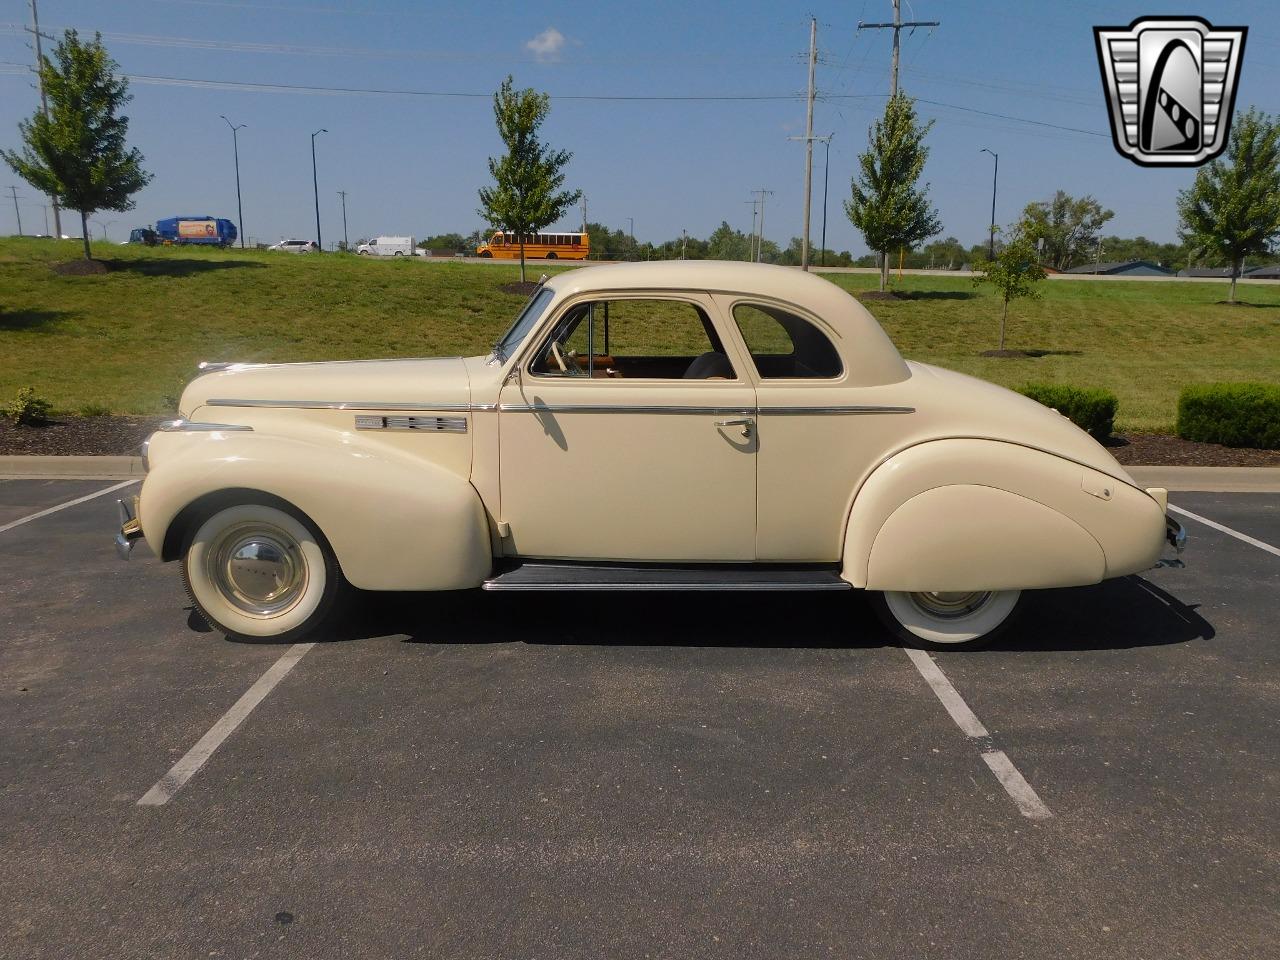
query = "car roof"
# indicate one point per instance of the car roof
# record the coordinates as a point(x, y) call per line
point(867, 350)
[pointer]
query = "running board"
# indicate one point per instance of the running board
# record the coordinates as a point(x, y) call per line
point(584, 576)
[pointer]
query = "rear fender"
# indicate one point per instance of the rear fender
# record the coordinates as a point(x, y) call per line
point(968, 514)
point(394, 524)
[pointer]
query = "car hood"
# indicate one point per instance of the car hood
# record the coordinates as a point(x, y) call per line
point(349, 383)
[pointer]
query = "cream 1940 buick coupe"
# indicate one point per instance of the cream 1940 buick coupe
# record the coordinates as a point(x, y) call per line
point(664, 426)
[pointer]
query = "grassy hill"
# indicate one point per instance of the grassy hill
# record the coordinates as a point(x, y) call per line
point(127, 340)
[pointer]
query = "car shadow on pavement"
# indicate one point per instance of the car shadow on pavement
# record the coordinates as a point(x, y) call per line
point(1117, 614)
point(1113, 615)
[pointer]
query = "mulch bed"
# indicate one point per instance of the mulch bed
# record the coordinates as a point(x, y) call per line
point(122, 436)
point(81, 268)
point(78, 436)
point(524, 288)
point(1157, 450)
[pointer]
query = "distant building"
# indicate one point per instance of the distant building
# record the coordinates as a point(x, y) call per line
point(1217, 273)
point(1123, 268)
point(1269, 272)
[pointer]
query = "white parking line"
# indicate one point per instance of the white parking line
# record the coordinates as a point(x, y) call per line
point(63, 506)
point(182, 771)
point(1227, 530)
point(1015, 784)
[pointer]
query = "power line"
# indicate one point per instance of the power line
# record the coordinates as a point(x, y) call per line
point(601, 98)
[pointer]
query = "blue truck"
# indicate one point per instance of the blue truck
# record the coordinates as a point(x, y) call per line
point(206, 231)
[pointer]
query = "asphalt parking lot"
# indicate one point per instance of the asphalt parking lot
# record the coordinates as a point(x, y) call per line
point(532, 775)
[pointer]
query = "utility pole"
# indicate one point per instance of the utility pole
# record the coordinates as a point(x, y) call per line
point(13, 192)
point(684, 244)
point(755, 212)
point(345, 245)
point(991, 249)
point(897, 27)
point(584, 213)
point(315, 186)
point(34, 30)
point(760, 236)
point(808, 144)
point(235, 147)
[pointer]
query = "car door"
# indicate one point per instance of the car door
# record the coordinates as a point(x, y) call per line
point(628, 433)
point(818, 433)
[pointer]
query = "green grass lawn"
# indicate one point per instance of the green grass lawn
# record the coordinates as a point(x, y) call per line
point(129, 339)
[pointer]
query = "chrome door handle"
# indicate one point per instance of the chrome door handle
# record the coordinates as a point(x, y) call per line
point(746, 423)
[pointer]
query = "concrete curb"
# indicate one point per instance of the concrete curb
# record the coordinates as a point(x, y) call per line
point(1206, 479)
point(70, 468)
point(1210, 479)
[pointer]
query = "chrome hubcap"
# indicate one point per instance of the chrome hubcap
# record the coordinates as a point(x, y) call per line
point(951, 605)
point(259, 569)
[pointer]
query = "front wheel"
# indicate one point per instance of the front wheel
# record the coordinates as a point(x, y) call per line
point(256, 572)
point(947, 620)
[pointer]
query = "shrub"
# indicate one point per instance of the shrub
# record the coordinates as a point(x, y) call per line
point(1234, 414)
point(1092, 409)
point(27, 409)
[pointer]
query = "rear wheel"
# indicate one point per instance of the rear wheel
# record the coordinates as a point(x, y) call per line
point(255, 571)
point(947, 620)
point(551, 255)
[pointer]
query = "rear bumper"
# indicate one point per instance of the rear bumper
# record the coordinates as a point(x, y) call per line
point(130, 527)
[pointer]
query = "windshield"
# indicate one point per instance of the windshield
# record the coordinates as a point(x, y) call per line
point(529, 316)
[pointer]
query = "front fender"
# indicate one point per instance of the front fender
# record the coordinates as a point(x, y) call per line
point(969, 514)
point(393, 523)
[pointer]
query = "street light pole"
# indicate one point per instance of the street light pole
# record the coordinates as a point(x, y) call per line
point(235, 146)
point(315, 186)
point(995, 174)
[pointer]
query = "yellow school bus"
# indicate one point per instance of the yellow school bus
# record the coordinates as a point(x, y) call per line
point(537, 246)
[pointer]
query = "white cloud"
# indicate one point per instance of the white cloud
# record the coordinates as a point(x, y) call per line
point(547, 45)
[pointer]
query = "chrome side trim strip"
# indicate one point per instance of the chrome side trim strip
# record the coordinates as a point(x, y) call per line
point(622, 408)
point(713, 411)
point(551, 408)
point(424, 424)
point(337, 404)
point(797, 411)
point(199, 426)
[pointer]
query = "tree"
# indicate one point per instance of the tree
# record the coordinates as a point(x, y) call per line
point(524, 198)
point(1066, 228)
point(78, 152)
point(1014, 273)
point(1233, 208)
point(887, 206)
point(726, 243)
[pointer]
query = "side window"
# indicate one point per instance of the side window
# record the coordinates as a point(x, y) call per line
point(784, 346)
point(634, 339)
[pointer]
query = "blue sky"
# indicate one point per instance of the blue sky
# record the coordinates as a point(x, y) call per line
point(412, 164)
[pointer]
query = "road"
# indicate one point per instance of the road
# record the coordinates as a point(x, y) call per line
point(527, 775)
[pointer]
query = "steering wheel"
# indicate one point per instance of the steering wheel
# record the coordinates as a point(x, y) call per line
point(568, 366)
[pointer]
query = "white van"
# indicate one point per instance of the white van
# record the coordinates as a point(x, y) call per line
point(387, 247)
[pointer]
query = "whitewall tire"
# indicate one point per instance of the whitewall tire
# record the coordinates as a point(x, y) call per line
point(255, 571)
point(947, 620)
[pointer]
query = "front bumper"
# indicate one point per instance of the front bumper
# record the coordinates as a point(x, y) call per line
point(1175, 533)
point(130, 527)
